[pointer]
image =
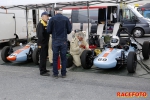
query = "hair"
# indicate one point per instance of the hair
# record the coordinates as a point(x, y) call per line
point(80, 34)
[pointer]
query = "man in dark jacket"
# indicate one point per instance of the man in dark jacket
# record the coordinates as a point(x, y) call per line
point(43, 38)
point(59, 26)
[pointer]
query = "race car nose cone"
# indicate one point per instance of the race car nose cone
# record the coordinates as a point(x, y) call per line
point(11, 58)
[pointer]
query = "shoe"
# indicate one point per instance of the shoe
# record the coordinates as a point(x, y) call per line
point(45, 74)
point(51, 64)
point(47, 70)
point(55, 76)
point(63, 76)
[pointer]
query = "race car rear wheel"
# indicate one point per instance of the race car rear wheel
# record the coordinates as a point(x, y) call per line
point(35, 56)
point(131, 62)
point(146, 49)
point(5, 53)
point(69, 60)
point(86, 59)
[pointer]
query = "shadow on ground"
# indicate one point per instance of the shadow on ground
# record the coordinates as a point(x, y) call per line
point(140, 72)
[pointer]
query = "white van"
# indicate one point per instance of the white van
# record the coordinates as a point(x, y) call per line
point(13, 26)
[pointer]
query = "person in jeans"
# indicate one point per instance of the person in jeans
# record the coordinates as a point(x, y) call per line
point(59, 26)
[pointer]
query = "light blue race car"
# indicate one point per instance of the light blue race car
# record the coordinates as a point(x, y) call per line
point(29, 52)
point(120, 51)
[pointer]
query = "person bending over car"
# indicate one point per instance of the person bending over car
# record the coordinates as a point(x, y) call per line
point(77, 46)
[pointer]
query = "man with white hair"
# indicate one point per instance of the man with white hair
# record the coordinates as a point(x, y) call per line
point(77, 46)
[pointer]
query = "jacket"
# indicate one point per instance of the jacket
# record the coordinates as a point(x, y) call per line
point(59, 26)
point(74, 46)
point(42, 35)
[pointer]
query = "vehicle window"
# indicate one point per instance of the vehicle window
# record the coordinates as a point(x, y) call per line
point(128, 14)
point(81, 16)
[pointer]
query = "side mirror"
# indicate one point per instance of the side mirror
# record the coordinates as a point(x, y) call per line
point(134, 18)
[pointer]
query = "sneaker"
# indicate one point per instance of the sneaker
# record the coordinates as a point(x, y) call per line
point(55, 76)
point(47, 70)
point(45, 74)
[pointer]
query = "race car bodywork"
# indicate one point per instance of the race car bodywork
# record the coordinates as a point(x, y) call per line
point(107, 58)
point(125, 53)
point(21, 55)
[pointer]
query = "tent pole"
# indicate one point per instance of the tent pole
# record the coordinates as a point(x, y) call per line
point(53, 10)
point(88, 18)
point(106, 22)
point(27, 23)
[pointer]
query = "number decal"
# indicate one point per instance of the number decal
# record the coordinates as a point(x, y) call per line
point(102, 59)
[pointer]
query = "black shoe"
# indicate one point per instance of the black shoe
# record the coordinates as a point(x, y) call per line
point(51, 64)
point(55, 76)
point(47, 70)
point(45, 74)
point(63, 76)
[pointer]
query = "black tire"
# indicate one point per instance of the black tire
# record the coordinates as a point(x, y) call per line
point(146, 49)
point(86, 60)
point(138, 32)
point(5, 53)
point(131, 62)
point(35, 56)
point(69, 60)
point(12, 42)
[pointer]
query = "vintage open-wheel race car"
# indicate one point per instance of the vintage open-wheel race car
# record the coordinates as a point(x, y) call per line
point(120, 51)
point(29, 52)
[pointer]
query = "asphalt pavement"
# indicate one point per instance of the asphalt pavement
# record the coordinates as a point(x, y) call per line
point(23, 82)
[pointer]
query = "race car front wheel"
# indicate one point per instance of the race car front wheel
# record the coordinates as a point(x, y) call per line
point(4, 53)
point(86, 59)
point(131, 62)
point(35, 56)
point(146, 49)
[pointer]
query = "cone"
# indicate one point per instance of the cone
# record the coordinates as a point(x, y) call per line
point(58, 64)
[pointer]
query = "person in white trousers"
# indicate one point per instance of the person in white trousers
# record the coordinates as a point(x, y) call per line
point(77, 46)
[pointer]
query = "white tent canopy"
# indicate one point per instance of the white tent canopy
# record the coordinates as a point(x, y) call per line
point(34, 4)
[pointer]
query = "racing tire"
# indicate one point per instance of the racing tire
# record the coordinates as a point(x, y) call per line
point(131, 62)
point(69, 60)
point(138, 32)
point(35, 56)
point(146, 49)
point(5, 53)
point(86, 59)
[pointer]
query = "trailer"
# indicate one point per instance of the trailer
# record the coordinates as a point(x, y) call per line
point(13, 26)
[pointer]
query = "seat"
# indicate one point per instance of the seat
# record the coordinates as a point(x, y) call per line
point(85, 25)
point(116, 28)
point(100, 30)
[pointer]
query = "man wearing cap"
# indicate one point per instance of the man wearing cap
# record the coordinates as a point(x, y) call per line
point(77, 46)
point(59, 26)
point(43, 38)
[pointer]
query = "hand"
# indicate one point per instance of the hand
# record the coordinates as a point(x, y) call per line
point(82, 46)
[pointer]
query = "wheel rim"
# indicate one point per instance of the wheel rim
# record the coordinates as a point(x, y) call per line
point(137, 33)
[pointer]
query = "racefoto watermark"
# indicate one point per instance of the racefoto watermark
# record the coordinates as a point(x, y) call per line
point(132, 94)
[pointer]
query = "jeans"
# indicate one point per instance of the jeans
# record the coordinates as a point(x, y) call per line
point(59, 47)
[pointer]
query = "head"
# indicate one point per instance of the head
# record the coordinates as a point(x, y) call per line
point(114, 41)
point(58, 10)
point(45, 16)
point(80, 35)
